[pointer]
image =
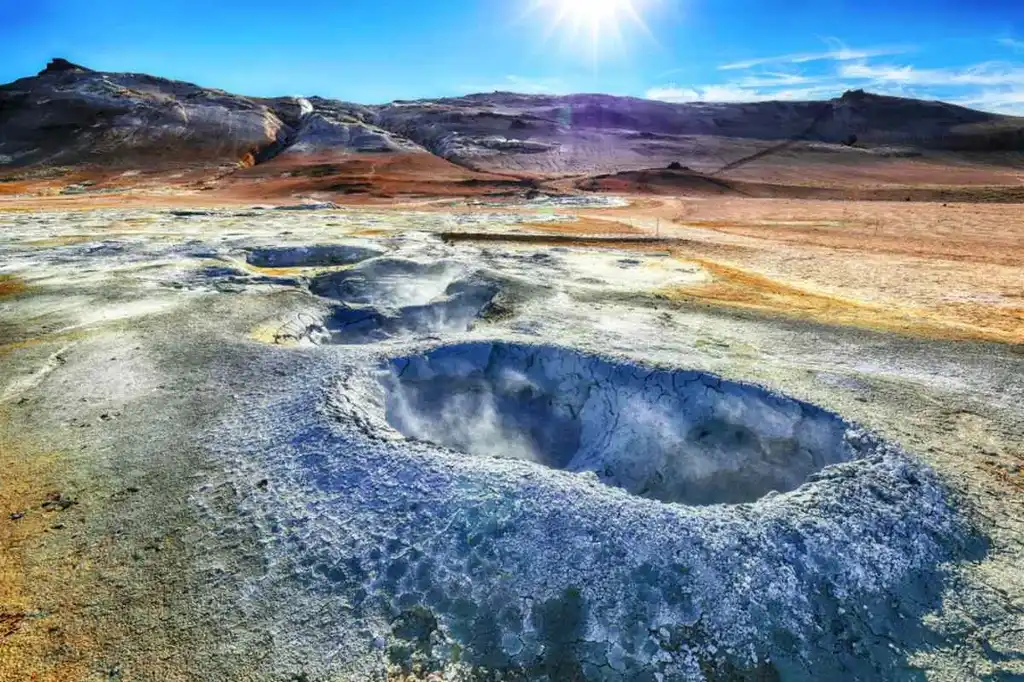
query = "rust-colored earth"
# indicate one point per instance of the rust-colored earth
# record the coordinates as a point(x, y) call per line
point(936, 268)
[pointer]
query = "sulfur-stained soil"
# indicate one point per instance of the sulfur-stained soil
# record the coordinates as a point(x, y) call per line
point(199, 478)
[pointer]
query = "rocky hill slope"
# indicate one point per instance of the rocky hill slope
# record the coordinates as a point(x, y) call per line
point(588, 133)
point(71, 116)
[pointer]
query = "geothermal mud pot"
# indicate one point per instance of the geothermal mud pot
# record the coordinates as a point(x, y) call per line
point(672, 436)
point(390, 297)
point(308, 256)
point(533, 512)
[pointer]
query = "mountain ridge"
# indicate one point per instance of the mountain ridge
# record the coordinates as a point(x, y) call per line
point(69, 116)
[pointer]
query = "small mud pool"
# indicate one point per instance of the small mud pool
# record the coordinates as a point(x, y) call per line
point(388, 297)
point(317, 255)
point(674, 436)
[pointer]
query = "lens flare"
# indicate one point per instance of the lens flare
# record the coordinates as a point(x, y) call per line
point(596, 25)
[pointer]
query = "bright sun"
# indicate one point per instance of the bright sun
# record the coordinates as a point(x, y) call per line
point(594, 23)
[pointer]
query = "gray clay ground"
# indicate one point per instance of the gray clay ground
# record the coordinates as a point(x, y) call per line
point(381, 455)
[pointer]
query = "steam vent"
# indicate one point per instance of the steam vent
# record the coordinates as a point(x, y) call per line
point(541, 513)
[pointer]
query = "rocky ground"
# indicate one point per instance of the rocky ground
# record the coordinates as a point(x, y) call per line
point(572, 438)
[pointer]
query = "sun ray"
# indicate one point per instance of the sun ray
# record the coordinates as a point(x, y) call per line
point(591, 25)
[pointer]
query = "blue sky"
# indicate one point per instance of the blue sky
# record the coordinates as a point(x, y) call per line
point(970, 52)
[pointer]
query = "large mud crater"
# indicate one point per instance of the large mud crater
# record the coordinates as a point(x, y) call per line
point(674, 436)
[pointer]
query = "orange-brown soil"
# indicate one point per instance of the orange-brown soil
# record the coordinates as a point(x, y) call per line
point(42, 630)
point(382, 176)
point(10, 286)
point(943, 269)
point(953, 271)
point(895, 181)
point(830, 170)
point(347, 178)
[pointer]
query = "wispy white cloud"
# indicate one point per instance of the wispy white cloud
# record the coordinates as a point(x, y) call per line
point(730, 92)
point(838, 54)
point(991, 85)
point(773, 80)
point(1012, 43)
point(1009, 101)
point(984, 74)
point(707, 93)
point(996, 86)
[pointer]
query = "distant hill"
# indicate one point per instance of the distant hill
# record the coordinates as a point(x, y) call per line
point(602, 133)
point(71, 116)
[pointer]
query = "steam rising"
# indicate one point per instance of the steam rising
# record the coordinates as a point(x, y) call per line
point(674, 436)
point(386, 297)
